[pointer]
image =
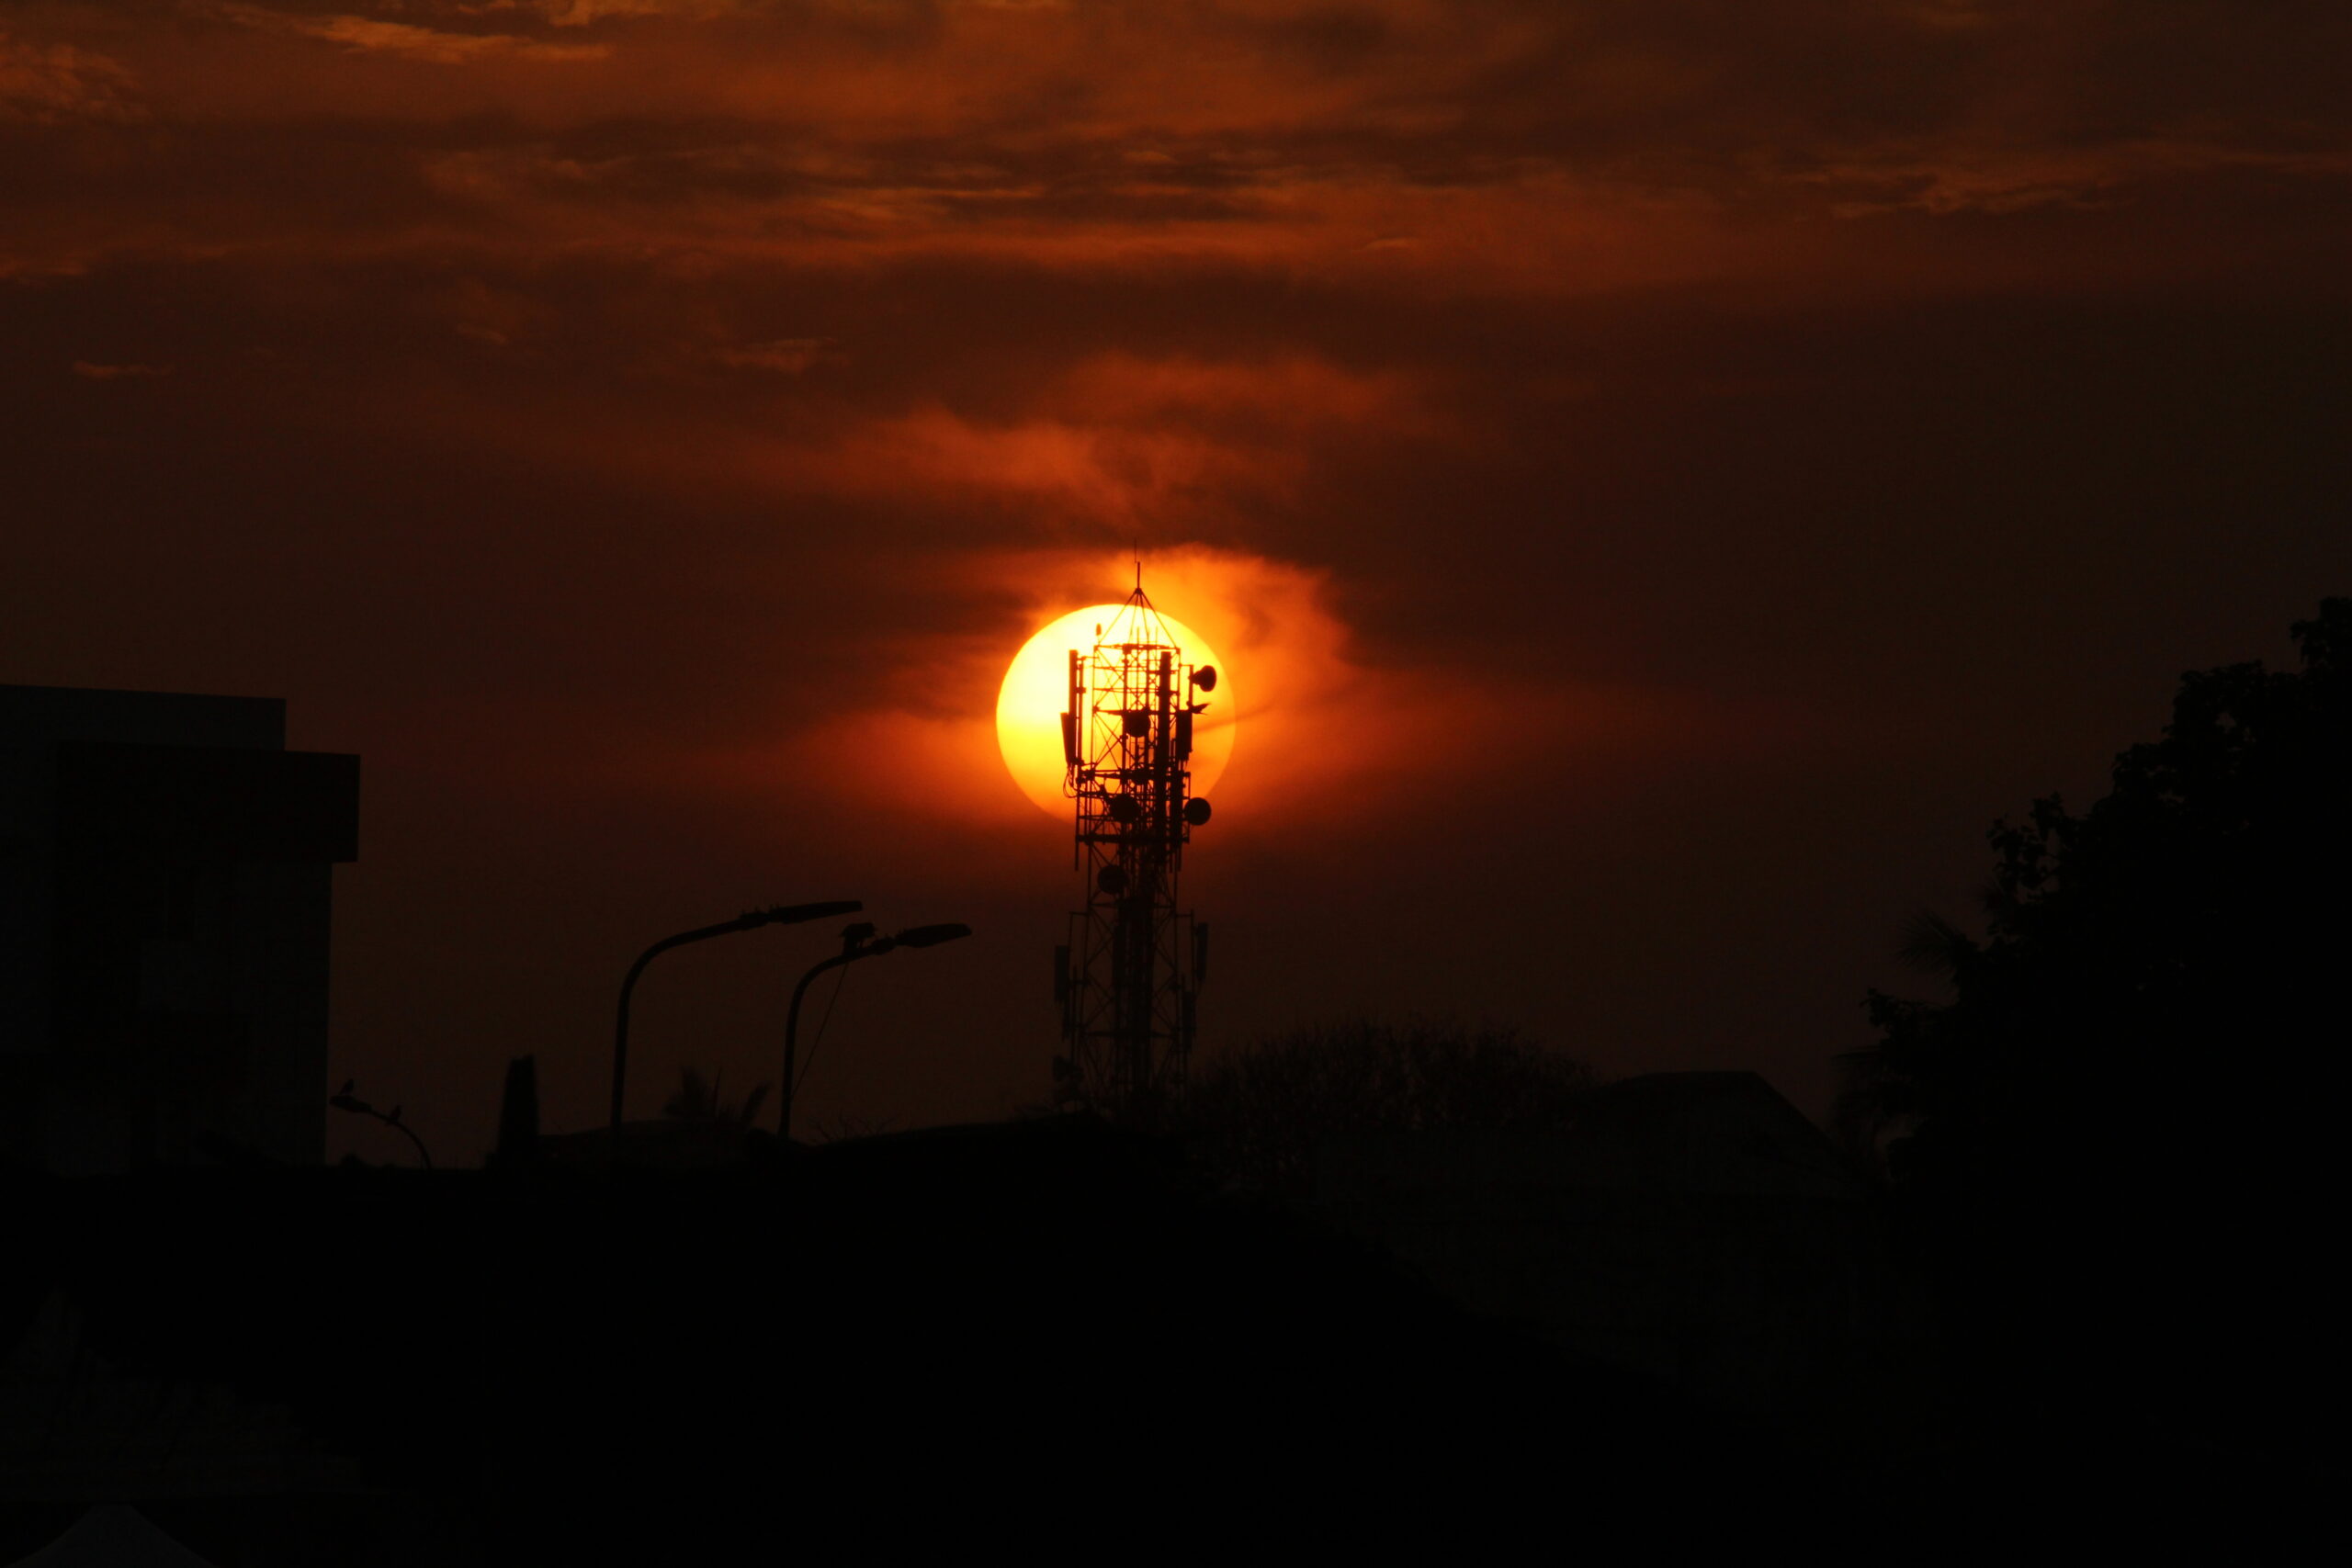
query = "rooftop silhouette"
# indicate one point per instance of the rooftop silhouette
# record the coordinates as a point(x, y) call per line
point(165, 928)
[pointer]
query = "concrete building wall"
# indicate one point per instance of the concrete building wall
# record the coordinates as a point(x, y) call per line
point(165, 892)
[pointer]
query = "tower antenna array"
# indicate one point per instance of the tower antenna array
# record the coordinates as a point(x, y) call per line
point(1128, 978)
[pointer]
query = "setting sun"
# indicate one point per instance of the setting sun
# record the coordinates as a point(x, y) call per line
point(1036, 689)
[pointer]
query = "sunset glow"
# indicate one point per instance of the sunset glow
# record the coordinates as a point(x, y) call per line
point(1655, 477)
point(1036, 689)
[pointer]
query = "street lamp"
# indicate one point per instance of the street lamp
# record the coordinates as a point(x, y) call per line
point(857, 941)
point(344, 1099)
point(782, 915)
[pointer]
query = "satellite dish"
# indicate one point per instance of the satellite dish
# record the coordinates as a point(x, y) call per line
point(1196, 811)
point(1125, 809)
point(1206, 677)
point(1137, 722)
point(1112, 879)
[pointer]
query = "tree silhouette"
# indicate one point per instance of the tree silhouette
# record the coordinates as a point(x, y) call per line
point(2117, 1137)
point(1259, 1112)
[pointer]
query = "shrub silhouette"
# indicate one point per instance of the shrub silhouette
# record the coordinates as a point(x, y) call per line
point(698, 1100)
point(1259, 1113)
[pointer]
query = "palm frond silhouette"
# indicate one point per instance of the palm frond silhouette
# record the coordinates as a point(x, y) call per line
point(698, 1100)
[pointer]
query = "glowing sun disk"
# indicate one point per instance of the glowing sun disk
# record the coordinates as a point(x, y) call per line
point(1036, 689)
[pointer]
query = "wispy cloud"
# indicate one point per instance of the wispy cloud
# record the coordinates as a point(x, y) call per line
point(58, 84)
point(90, 370)
point(438, 46)
point(788, 356)
point(1544, 146)
point(1120, 443)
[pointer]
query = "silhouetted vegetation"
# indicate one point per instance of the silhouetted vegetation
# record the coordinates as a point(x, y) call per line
point(2116, 1138)
point(1259, 1113)
point(699, 1099)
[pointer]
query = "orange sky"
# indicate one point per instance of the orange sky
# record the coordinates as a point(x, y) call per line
point(1672, 471)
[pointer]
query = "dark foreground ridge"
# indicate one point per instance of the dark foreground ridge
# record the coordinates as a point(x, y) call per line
point(1039, 1326)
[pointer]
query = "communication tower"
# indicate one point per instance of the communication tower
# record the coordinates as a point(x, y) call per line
point(1128, 978)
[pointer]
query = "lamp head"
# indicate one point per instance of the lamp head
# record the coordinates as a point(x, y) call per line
point(932, 936)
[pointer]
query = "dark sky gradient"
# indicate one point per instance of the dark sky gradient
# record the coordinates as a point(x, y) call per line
point(1665, 476)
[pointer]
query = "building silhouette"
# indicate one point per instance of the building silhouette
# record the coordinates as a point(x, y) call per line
point(1694, 1227)
point(165, 887)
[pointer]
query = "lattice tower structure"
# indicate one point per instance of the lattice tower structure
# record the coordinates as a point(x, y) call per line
point(1130, 977)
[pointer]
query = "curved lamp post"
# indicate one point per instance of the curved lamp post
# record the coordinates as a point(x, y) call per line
point(782, 915)
point(858, 942)
point(344, 1099)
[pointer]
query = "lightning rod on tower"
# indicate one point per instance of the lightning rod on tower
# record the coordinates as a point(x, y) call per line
point(1129, 975)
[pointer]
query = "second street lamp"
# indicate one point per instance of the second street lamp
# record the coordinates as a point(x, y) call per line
point(857, 941)
point(344, 1099)
point(781, 915)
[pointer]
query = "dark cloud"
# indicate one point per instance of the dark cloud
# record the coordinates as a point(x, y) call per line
point(57, 83)
point(437, 45)
point(89, 372)
point(1603, 139)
